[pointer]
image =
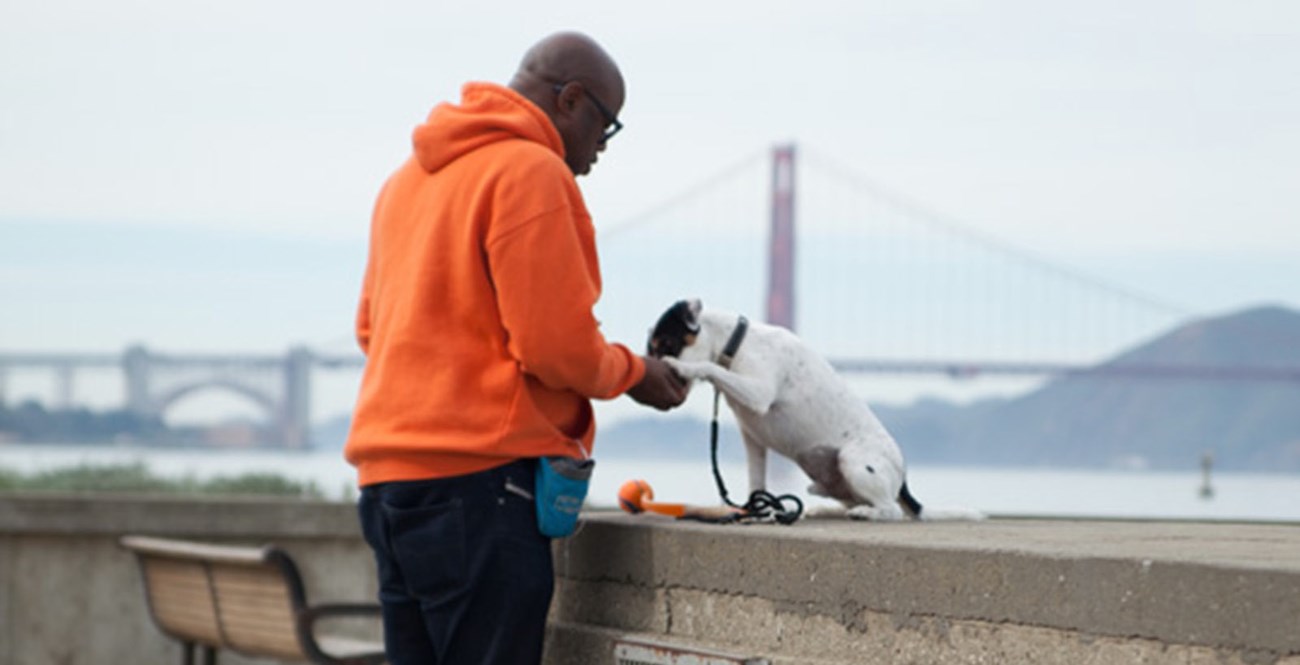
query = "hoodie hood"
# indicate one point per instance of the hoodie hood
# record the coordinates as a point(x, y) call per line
point(487, 113)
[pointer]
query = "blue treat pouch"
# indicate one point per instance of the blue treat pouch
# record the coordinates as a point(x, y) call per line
point(560, 489)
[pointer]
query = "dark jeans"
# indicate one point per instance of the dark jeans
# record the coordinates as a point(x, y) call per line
point(465, 578)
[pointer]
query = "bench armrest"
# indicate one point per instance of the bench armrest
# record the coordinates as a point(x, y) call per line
point(311, 614)
point(307, 618)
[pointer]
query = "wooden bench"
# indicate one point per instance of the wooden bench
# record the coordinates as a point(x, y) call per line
point(246, 599)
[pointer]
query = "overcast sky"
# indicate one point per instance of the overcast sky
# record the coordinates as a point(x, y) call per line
point(1110, 135)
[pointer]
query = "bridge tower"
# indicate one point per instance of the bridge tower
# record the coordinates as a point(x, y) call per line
point(780, 272)
point(135, 369)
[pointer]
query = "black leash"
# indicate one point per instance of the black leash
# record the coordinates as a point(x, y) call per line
point(762, 506)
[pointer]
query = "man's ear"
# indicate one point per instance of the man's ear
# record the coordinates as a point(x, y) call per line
point(567, 99)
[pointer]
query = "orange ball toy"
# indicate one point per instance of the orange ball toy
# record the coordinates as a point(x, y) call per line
point(631, 495)
point(635, 496)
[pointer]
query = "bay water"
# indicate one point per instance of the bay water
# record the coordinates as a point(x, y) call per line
point(1024, 492)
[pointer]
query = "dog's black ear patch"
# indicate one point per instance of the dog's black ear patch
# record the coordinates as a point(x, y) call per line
point(675, 329)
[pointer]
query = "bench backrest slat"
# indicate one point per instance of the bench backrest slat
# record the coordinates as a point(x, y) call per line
point(180, 599)
point(257, 614)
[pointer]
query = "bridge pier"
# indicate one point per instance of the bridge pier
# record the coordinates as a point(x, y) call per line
point(135, 370)
point(295, 404)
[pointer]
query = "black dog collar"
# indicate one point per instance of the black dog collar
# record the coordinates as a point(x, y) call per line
point(733, 342)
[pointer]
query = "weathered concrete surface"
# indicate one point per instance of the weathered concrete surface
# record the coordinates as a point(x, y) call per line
point(70, 596)
point(823, 592)
point(1006, 591)
point(214, 517)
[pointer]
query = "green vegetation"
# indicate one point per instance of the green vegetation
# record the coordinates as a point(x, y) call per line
point(136, 477)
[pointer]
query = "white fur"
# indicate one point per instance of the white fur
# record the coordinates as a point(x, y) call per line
point(788, 399)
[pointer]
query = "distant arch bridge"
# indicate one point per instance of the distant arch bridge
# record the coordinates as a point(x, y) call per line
point(278, 385)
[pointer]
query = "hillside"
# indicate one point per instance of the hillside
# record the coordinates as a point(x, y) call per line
point(1161, 423)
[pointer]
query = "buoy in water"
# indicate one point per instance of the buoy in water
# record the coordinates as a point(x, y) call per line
point(1207, 461)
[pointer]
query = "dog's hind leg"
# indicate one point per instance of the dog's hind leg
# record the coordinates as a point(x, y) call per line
point(821, 464)
point(756, 457)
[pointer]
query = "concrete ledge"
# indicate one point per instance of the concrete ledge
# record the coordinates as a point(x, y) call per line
point(1008, 590)
point(822, 592)
point(70, 595)
point(174, 515)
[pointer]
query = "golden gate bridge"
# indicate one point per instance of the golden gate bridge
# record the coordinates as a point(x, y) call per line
point(876, 281)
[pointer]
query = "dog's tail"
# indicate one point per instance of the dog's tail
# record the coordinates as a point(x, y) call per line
point(909, 503)
point(918, 512)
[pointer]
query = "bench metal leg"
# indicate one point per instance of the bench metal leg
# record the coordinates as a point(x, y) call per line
point(187, 654)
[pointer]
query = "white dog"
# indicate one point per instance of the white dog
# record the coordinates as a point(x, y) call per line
point(787, 398)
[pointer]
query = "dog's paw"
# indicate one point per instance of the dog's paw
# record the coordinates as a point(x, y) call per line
point(689, 371)
point(865, 513)
point(862, 513)
point(824, 512)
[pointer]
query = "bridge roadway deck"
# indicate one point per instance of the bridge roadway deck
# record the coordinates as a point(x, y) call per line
point(1003, 590)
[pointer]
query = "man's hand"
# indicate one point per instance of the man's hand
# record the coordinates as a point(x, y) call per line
point(660, 388)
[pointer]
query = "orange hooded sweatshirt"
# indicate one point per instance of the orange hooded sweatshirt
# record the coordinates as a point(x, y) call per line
point(476, 309)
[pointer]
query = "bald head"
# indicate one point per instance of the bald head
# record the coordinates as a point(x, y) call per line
point(562, 74)
point(568, 56)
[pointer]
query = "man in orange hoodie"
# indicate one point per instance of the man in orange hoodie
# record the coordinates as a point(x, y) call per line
point(483, 354)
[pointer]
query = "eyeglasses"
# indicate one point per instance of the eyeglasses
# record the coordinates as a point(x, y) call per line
point(612, 124)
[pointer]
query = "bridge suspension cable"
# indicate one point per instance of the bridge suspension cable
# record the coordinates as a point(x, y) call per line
point(952, 226)
point(912, 283)
point(659, 211)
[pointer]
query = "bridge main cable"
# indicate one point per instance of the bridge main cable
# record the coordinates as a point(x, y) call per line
point(971, 369)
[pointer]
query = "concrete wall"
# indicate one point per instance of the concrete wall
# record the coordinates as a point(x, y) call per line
point(70, 596)
point(1005, 591)
point(821, 592)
